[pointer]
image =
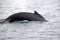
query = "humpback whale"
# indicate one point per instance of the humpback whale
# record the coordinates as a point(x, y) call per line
point(20, 16)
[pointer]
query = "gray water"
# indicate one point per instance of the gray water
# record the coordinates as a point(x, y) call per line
point(49, 9)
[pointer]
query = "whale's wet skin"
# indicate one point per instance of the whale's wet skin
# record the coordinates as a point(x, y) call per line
point(25, 16)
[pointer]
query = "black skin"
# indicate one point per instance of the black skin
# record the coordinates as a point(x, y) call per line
point(25, 16)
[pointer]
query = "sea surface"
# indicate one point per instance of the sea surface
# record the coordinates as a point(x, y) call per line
point(33, 30)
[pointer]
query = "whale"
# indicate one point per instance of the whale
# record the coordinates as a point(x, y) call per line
point(29, 16)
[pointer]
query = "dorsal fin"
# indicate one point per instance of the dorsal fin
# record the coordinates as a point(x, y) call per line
point(36, 12)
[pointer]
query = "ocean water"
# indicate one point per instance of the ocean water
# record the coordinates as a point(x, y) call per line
point(34, 30)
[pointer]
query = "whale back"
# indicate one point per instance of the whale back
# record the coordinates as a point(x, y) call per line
point(40, 16)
